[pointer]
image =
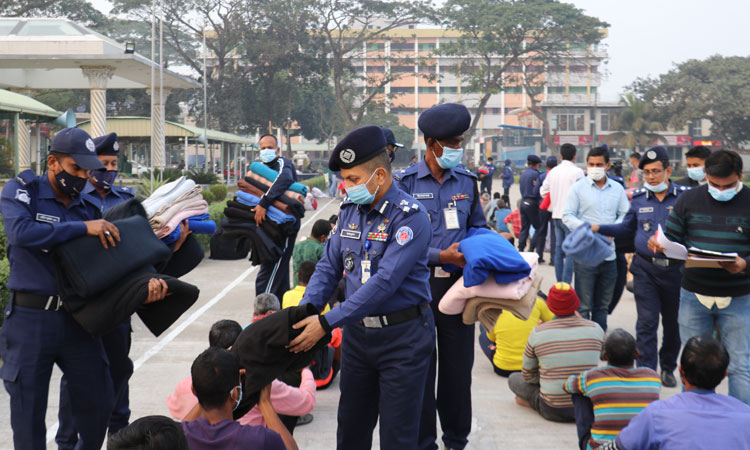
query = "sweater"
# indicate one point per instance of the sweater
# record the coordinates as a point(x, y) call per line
point(511, 334)
point(698, 220)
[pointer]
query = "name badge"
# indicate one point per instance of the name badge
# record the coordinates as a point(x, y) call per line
point(422, 196)
point(46, 218)
point(365, 270)
point(650, 209)
point(351, 234)
point(451, 218)
point(440, 273)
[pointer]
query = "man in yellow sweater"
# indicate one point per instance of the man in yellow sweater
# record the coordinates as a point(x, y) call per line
point(504, 344)
point(293, 297)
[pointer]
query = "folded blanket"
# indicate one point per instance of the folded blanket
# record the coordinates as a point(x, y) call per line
point(194, 192)
point(271, 175)
point(167, 212)
point(486, 253)
point(167, 194)
point(198, 226)
point(291, 207)
point(172, 237)
point(273, 213)
point(487, 310)
point(454, 301)
point(174, 222)
point(237, 217)
point(587, 247)
point(263, 184)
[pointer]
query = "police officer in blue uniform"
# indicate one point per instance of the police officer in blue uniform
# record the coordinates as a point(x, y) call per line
point(656, 278)
point(273, 278)
point(102, 192)
point(450, 195)
point(40, 212)
point(530, 202)
point(379, 241)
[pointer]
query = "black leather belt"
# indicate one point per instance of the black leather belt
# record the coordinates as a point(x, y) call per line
point(43, 302)
point(394, 318)
point(661, 262)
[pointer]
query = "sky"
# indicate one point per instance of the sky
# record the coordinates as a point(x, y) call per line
point(647, 37)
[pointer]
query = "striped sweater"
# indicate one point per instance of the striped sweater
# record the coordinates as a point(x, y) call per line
point(698, 220)
point(557, 349)
point(618, 394)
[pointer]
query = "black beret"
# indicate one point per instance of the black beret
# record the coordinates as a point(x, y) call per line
point(357, 147)
point(533, 159)
point(107, 145)
point(658, 153)
point(444, 121)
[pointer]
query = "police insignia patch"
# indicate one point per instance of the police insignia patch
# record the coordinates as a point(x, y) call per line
point(349, 263)
point(404, 235)
point(347, 155)
point(23, 196)
point(646, 226)
point(90, 145)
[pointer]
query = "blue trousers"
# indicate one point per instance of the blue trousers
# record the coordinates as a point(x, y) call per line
point(563, 263)
point(529, 217)
point(274, 278)
point(657, 291)
point(594, 286)
point(117, 347)
point(383, 372)
point(451, 363)
point(32, 341)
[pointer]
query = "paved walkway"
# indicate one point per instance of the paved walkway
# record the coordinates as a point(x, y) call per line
point(227, 290)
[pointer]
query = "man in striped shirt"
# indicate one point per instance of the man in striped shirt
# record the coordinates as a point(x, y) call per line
point(606, 398)
point(716, 217)
point(566, 345)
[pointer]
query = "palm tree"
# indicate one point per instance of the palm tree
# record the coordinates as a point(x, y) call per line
point(637, 124)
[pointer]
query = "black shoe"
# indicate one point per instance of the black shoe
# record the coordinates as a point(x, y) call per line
point(667, 379)
point(542, 261)
point(304, 420)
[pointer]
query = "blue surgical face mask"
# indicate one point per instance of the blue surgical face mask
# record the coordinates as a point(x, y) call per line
point(267, 155)
point(451, 157)
point(696, 173)
point(725, 195)
point(661, 187)
point(360, 195)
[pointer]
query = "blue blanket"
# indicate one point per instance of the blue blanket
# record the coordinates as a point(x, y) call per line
point(486, 253)
point(270, 175)
point(200, 224)
point(273, 213)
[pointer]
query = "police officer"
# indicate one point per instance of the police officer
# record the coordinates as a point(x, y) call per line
point(529, 203)
point(273, 278)
point(485, 179)
point(103, 193)
point(391, 145)
point(390, 333)
point(40, 212)
point(449, 193)
point(656, 278)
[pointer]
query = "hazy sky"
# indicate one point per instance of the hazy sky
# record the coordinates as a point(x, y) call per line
point(646, 37)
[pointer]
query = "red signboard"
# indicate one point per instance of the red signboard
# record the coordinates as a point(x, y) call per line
point(707, 143)
point(575, 140)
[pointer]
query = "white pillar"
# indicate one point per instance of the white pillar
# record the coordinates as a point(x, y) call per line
point(98, 78)
point(24, 146)
point(157, 127)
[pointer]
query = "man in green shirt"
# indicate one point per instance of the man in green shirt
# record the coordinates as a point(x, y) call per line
point(311, 249)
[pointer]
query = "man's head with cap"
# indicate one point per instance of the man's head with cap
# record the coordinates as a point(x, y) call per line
point(562, 300)
point(390, 142)
point(508, 162)
point(107, 150)
point(533, 161)
point(443, 127)
point(363, 160)
point(551, 161)
point(656, 168)
point(72, 154)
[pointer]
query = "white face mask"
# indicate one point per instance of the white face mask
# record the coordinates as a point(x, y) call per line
point(596, 173)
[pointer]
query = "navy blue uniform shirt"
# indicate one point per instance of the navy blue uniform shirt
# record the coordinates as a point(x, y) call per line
point(528, 181)
point(458, 189)
point(35, 221)
point(643, 218)
point(391, 237)
point(114, 196)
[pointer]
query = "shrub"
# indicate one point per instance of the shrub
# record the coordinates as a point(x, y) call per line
point(217, 215)
point(219, 191)
point(201, 177)
point(143, 186)
point(208, 196)
point(318, 182)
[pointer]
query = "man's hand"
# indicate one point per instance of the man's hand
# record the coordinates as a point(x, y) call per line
point(260, 214)
point(107, 232)
point(595, 228)
point(310, 336)
point(265, 394)
point(736, 266)
point(184, 232)
point(157, 290)
point(654, 246)
point(451, 255)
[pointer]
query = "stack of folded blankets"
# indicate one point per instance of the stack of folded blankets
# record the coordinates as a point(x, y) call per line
point(269, 240)
point(496, 277)
point(174, 203)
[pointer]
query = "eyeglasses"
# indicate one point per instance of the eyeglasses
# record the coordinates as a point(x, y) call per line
point(653, 173)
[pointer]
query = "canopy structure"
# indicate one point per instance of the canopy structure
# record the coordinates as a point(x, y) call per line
point(137, 127)
point(38, 53)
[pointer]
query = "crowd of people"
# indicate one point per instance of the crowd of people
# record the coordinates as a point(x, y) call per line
point(363, 304)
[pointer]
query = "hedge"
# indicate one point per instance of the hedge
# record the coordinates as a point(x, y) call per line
point(318, 182)
point(217, 214)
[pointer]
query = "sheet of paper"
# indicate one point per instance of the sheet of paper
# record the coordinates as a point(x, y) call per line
point(672, 249)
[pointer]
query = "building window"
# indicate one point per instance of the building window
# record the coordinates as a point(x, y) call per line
point(556, 89)
point(427, 47)
point(375, 47)
point(427, 90)
point(402, 90)
point(578, 89)
point(512, 89)
point(605, 120)
point(402, 47)
point(402, 69)
point(428, 68)
point(449, 89)
point(568, 120)
point(376, 69)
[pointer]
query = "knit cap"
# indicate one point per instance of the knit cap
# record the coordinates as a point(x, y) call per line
point(562, 299)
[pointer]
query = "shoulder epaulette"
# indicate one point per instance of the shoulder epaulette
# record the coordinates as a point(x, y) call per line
point(639, 192)
point(463, 170)
point(26, 177)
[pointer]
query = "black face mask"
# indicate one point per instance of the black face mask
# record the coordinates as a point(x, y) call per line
point(70, 185)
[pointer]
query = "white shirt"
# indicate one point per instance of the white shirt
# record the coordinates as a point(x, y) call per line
point(558, 183)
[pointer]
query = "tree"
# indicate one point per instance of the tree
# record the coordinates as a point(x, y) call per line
point(349, 25)
point(716, 89)
point(80, 11)
point(498, 36)
point(317, 114)
point(637, 124)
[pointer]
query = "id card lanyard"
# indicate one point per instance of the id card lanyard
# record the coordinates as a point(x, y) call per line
point(366, 263)
point(450, 214)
